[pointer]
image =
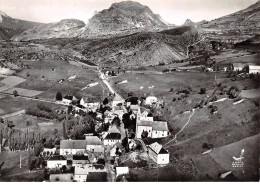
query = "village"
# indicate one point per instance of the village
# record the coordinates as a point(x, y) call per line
point(116, 135)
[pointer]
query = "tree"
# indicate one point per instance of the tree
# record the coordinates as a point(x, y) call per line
point(144, 134)
point(15, 93)
point(116, 121)
point(203, 90)
point(117, 151)
point(126, 120)
point(63, 168)
point(105, 102)
point(38, 148)
point(233, 92)
point(58, 96)
point(125, 144)
point(101, 161)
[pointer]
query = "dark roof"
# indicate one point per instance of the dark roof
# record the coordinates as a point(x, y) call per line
point(97, 177)
point(73, 144)
point(81, 106)
point(56, 158)
point(163, 151)
point(113, 136)
point(80, 157)
point(132, 100)
point(68, 97)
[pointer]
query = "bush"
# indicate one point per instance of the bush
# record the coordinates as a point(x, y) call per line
point(15, 93)
point(203, 90)
point(207, 146)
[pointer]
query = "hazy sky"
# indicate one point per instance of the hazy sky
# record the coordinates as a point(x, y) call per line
point(172, 11)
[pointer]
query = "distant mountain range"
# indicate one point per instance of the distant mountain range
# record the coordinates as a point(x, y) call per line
point(122, 18)
point(130, 17)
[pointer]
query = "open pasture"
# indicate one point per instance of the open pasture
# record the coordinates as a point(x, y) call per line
point(10, 82)
point(23, 92)
point(160, 84)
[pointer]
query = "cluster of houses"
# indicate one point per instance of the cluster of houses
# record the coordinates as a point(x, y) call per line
point(86, 156)
point(237, 67)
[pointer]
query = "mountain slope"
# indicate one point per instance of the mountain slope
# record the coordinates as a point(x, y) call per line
point(235, 27)
point(10, 26)
point(139, 49)
point(66, 28)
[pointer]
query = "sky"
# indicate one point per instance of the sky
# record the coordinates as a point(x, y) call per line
point(172, 11)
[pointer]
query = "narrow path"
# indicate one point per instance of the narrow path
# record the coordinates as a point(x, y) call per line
point(175, 137)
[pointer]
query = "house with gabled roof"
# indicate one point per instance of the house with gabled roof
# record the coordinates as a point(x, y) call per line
point(132, 101)
point(80, 160)
point(81, 173)
point(158, 153)
point(142, 115)
point(155, 129)
point(112, 138)
point(72, 147)
point(117, 101)
point(56, 161)
point(68, 99)
point(94, 144)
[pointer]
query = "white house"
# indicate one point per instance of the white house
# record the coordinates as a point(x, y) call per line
point(122, 171)
point(82, 171)
point(111, 139)
point(68, 99)
point(143, 116)
point(117, 101)
point(238, 66)
point(134, 108)
point(254, 69)
point(94, 144)
point(150, 100)
point(56, 161)
point(91, 106)
point(51, 151)
point(155, 129)
point(72, 147)
point(158, 153)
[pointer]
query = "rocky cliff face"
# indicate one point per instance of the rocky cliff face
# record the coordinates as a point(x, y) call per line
point(123, 18)
point(10, 26)
point(66, 28)
point(235, 27)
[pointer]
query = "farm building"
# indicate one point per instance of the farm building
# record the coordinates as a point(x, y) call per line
point(61, 177)
point(72, 147)
point(238, 66)
point(155, 129)
point(91, 106)
point(132, 101)
point(254, 69)
point(122, 171)
point(118, 146)
point(94, 144)
point(117, 101)
point(158, 153)
point(56, 161)
point(81, 172)
point(142, 115)
point(112, 138)
point(134, 108)
point(150, 100)
point(80, 160)
point(68, 99)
